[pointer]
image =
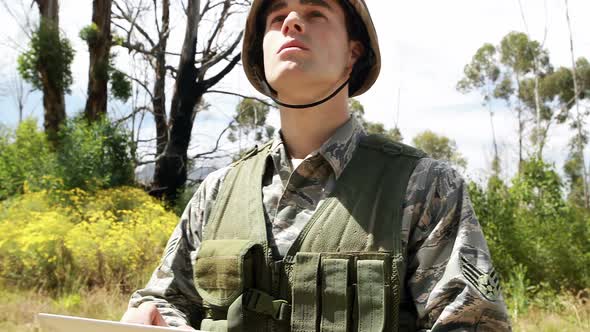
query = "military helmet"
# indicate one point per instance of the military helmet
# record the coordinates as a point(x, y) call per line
point(365, 71)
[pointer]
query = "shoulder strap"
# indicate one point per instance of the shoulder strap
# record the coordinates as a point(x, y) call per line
point(238, 209)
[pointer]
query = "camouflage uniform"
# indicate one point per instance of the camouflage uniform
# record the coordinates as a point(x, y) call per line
point(449, 279)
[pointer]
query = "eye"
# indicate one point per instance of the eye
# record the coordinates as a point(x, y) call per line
point(277, 19)
point(316, 13)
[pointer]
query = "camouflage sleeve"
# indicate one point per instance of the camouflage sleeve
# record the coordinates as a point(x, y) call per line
point(171, 286)
point(450, 276)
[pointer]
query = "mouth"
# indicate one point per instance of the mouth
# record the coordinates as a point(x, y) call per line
point(293, 45)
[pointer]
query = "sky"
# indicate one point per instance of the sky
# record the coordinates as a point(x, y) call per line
point(424, 46)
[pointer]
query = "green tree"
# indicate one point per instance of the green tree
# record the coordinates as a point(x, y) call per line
point(482, 74)
point(561, 88)
point(523, 59)
point(357, 110)
point(250, 117)
point(439, 147)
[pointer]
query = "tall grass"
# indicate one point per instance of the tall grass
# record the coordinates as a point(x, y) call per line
point(18, 308)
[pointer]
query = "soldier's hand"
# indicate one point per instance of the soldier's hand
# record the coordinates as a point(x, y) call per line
point(145, 314)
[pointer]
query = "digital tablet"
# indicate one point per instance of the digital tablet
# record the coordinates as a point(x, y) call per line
point(60, 323)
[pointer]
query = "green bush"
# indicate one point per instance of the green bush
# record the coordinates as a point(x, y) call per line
point(531, 228)
point(96, 155)
point(25, 157)
point(89, 156)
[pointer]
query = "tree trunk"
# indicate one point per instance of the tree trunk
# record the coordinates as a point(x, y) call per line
point(171, 165)
point(54, 109)
point(579, 119)
point(520, 126)
point(159, 94)
point(53, 94)
point(99, 47)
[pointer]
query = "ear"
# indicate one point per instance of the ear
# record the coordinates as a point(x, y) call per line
point(356, 51)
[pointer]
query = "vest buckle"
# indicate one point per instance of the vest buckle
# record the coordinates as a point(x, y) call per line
point(262, 303)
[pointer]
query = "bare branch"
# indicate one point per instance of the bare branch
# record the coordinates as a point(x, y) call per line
point(142, 84)
point(130, 115)
point(218, 27)
point(215, 79)
point(26, 28)
point(214, 60)
point(131, 17)
point(199, 155)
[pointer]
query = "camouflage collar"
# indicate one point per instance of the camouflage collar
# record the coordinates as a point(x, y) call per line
point(337, 150)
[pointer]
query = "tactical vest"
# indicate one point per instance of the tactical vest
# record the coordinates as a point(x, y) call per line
point(342, 273)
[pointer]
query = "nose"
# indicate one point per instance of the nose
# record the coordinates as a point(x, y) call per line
point(293, 24)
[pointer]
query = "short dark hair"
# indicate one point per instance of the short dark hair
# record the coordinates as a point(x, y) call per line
point(357, 32)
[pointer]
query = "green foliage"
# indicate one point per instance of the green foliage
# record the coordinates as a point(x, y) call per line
point(96, 155)
point(49, 53)
point(26, 159)
point(90, 33)
point(54, 240)
point(482, 73)
point(121, 87)
point(250, 117)
point(530, 228)
point(118, 40)
point(357, 110)
point(519, 53)
point(90, 156)
point(439, 147)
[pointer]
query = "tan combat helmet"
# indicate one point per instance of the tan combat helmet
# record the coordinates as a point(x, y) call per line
point(362, 78)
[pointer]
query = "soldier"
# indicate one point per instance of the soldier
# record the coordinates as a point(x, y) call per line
point(325, 227)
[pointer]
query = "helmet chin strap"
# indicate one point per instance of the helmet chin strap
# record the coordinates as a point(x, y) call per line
point(268, 93)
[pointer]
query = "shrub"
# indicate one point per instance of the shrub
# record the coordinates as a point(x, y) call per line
point(93, 156)
point(25, 157)
point(89, 156)
point(55, 240)
point(530, 228)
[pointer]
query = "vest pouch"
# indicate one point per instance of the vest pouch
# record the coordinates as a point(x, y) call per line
point(373, 292)
point(335, 293)
point(343, 291)
point(222, 270)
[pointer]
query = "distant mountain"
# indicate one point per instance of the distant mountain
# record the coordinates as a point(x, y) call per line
point(145, 173)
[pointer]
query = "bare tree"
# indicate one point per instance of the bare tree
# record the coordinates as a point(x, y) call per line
point(19, 92)
point(127, 17)
point(204, 59)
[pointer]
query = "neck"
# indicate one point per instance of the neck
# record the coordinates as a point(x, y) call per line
point(305, 130)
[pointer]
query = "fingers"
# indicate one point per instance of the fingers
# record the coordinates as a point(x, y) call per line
point(146, 314)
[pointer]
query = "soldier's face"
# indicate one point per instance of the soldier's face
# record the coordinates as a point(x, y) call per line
point(307, 52)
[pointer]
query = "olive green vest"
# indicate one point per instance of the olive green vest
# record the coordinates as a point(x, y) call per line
point(342, 273)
